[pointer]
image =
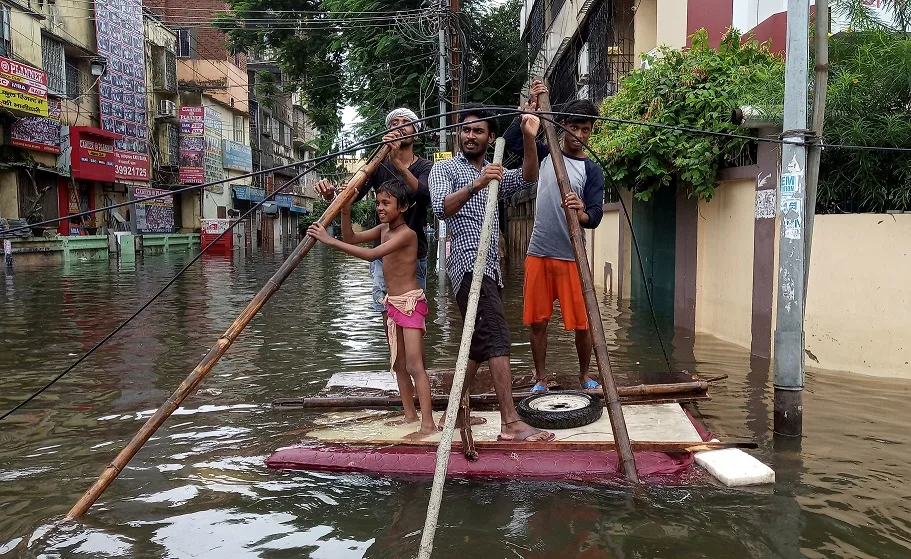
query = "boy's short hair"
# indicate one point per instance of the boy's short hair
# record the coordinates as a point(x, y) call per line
point(480, 112)
point(577, 108)
point(397, 190)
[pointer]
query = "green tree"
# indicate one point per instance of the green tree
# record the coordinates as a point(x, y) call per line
point(695, 88)
point(377, 54)
point(868, 104)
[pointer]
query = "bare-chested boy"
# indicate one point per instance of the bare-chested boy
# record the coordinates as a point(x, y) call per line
point(405, 302)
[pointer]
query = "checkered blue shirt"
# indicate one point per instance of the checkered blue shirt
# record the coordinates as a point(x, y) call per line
point(464, 227)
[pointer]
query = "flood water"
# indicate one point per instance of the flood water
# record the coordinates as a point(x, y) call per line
point(199, 488)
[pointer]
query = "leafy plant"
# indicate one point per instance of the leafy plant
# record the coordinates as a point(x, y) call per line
point(868, 104)
point(695, 88)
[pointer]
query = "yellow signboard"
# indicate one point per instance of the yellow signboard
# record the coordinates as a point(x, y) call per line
point(442, 156)
point(23, 88)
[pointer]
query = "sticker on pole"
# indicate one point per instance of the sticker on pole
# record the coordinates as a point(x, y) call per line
point(442, 156)
point(790, 184)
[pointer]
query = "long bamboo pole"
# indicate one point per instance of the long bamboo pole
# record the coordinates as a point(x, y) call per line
point(455, 401)
point(612, 398)
point(224, 342)
point(440, 401)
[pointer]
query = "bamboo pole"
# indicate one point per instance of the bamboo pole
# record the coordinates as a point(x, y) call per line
point(439, 401)
point(602, 357)
point(188, 386)
point(455, 400)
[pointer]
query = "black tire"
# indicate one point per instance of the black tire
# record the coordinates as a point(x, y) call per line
point(560, 409)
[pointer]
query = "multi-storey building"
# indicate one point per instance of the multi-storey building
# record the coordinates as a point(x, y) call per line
point(213, 110)
point(280, 135)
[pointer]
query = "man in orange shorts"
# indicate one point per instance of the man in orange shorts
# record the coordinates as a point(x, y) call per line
point(550, 266)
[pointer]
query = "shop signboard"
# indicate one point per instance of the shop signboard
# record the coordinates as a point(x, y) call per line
point(119, 30)
point(212, 161)
point(192, 145)
point(237, 156)
point(23, 88)
point(153, 216)
point(39, 133)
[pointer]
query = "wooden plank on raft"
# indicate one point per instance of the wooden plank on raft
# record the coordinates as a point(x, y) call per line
point(643, 393)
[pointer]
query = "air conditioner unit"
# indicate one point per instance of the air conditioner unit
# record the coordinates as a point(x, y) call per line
point(583, 63)
point(167, 108)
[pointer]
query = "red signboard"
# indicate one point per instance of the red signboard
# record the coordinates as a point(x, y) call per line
point(131, 165)
point(92, 155)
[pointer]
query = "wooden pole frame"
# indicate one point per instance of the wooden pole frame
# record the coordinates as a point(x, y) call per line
point(602, 356)
point(188, 386)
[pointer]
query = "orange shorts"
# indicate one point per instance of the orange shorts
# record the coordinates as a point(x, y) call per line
point(548, 280)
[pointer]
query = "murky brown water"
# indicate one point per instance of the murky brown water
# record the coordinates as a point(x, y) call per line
point(199, 488)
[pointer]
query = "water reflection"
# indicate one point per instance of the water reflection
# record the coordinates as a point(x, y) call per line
point(199, 488)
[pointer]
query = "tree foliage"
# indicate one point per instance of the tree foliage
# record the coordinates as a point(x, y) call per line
point(868, 104)
point(695, 88)
point(360, 53)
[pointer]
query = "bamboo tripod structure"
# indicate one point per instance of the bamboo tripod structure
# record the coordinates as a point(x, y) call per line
point(602, 356)
point(188, 386)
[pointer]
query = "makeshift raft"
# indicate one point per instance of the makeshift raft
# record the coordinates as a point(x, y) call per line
point(664, 435)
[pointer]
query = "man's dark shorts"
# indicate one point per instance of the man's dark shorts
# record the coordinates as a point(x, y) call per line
point(491, 334)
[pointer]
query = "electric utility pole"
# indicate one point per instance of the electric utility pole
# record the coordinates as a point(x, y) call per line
point(441, 84)
point(789, 333)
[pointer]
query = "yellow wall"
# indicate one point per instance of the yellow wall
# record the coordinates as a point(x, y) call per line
point(858, 315)
point(9, 195)
point(724, 262)
point(645, 34)
point(26, 38)
point(200, 70)
point(671, 27)
point(606, 247)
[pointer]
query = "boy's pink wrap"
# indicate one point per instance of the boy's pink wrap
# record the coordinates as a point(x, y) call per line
point(408, 311)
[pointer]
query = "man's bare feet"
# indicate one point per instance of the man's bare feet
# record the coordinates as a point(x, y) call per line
point(423, 432)
point(403, 421)
point(520, 431)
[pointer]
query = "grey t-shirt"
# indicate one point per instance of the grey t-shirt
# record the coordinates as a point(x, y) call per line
point(550, 235)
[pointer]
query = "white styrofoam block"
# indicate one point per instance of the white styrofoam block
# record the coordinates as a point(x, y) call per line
point(735, 468)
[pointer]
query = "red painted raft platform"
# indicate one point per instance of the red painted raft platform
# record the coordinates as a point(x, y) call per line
point(348, 442)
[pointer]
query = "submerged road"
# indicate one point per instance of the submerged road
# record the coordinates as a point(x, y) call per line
point(199, 488)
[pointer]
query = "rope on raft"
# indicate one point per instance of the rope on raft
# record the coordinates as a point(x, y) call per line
point(458, 379)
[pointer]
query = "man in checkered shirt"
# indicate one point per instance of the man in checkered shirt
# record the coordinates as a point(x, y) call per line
point(458, 193)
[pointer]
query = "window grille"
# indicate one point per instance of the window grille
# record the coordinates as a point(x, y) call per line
point(184, 43)
point(53, 60)
point(535, 29)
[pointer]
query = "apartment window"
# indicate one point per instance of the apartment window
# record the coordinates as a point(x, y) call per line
point(281, 133)
point(267, 124)
point(54, 64)
point(239, 129)
point(6, 45)
point(184, 43)
point(74, 85)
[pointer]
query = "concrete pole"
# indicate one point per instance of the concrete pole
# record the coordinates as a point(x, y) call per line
point(820, 89)
point(789, 334)
point(441, 225)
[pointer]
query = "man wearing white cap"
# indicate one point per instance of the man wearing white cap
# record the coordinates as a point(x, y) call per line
point(412, 171)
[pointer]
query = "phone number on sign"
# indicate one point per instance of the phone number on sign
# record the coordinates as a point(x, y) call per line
point(135, 172)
